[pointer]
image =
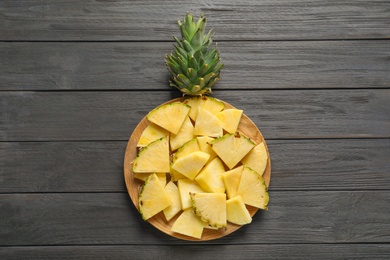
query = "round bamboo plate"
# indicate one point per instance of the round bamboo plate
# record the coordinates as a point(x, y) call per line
point(246, 127)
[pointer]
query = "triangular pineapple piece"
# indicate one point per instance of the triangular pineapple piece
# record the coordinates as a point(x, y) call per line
point(210, 104)
point(191, 164)
point(185, 187)
point(162, 176)
point(230, 119)
point(188, 224)
point(231, 179)
point(252, 189)
point(175, 175)
point(257, 159)
point(153, 158)
point(153, 198)
point(194, 103)
point(210, 178)
point(205, 146)
point(207, 124)
point(231, 148)
point(210, 207)
point(151, 133)
point(174, 195)
point(186, 133)
point(236, 212)
point(187, 148)
point(169, 116)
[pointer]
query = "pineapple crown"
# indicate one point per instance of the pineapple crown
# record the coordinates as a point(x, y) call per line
point(194, 65)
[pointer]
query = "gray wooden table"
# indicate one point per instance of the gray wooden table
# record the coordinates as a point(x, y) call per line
point(77, 76)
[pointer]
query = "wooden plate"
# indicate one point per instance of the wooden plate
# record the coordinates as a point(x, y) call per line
point(246, 127)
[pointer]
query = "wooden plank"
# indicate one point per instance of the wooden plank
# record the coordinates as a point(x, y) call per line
point(98, 166)
point(55, 116)
point(231, 251)
point(248, 65)
point(110, 218)
point(149, 20)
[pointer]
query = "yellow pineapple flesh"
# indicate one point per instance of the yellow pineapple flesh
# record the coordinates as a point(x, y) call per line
point(188, 224)
point(151, 133)
point(257, 159)
point(230, 119)
point(236, 211)
point(231, 179)
point(210, 207)
point(185, 187)
point(174, 195)
point(210, 178)
point(207, 124)
point(185, 134)
point(252, 189)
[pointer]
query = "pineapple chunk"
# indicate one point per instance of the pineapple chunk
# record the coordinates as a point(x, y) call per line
point(186, 133)
point(188, 224)
point(162, 176)
point(153, 158)
point(169, 116)
point(175, 175)
point(205, 146)
point(210, 104)
point(187, 148)
point(236, 212)
point(210, 207)
point(252, 189)
point(174, 195)
point(191, 164)
point(151, 133)
point(231, 148)
point(194, 103)
point(153, 197)
point(231, 179)
point(257, 159)
point(185, 187)
point(210, 178)
point(230, 119)
point(207, 124)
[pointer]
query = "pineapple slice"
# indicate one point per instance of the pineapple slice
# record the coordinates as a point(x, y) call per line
point(252, 189)
point(174, 195)
point(231, 179)
point(175, 175)
point(205, 146)
point(185, 187)
point(207, 124)
point(153, 158)
point(151, 133)
point(230, 119)
point(186, 133)
point(236, 212)
point(210, 178)
point(187, 148)
point(169, 116)
point(188, 224)
point(231, 148)
point(153, 197)
point(194, 103)
point(210, 207)
point(257, 159)
point(191, 164)
point(210, 104)
point(162, 176)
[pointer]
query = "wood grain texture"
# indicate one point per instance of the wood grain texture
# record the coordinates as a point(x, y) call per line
point(248, 65)
point(151, 20)
point(211, 252)
point(359, 164)
point(55, 116)
point(111, 218)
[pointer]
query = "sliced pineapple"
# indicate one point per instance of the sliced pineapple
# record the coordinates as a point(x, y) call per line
point(174, 195)
point(205, 146)
point(185, 134)
point(212, 105)
point(210, 178)
point(153, 158)
point(162, 176)
point(230, 119)
point(231, 148)
point(151, 133)
point(170, 116)
point(207, 124)
point(210, 207)
point(231, 179)
point(175, 175)
point(252, 189)
point(257, 159)
point(187, 148)
point(185, 187)
point(236, 212)
point(191, 164)
point(194, 103)
point(188, 224)
point(153, 197)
